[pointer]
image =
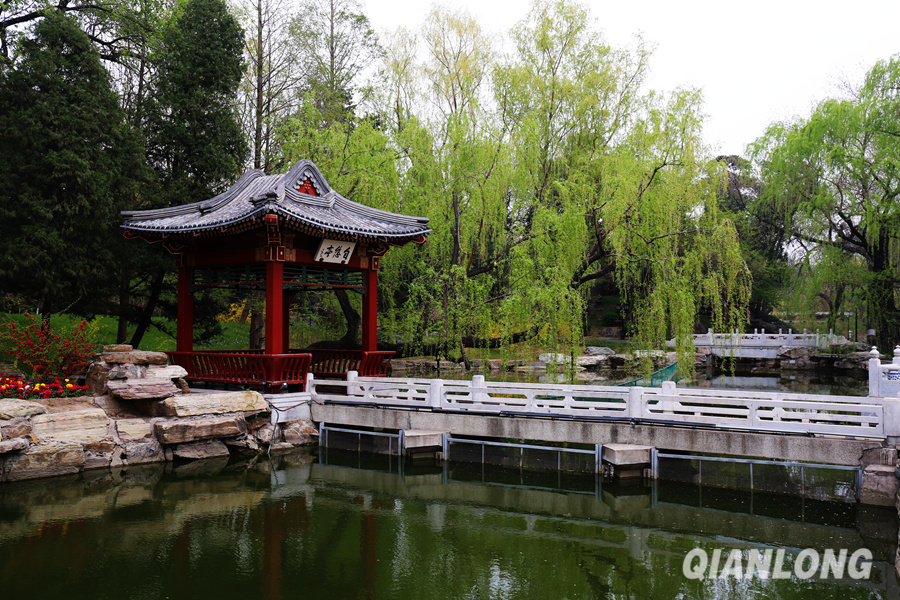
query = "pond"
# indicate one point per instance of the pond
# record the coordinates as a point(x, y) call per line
point(367, 527)
point(826, 382)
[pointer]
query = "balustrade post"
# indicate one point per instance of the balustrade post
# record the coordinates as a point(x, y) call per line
point(478, 382)
point(668, 391)
point(353, 389)
point(636, 404)
point(435, 391)
point(874, 373)
point(310, 384)
point(891, 415)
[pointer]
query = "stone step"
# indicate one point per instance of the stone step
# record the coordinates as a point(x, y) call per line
point(421, 439)
point(626, 454)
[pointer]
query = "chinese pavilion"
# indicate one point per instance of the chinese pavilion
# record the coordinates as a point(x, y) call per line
point(276, 233)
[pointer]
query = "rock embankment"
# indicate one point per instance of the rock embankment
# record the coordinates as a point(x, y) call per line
point(141, 411)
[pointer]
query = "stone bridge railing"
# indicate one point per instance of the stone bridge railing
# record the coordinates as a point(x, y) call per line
point(745, 410)
point(884, 377)
point(761, 345)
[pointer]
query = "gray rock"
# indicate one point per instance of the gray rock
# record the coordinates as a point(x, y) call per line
point(599, 351)
point(118, 348)
point(264, 434)
point(147, 450)
point(189, 405)
point(11, 408)
point(13, 428)
point(166, 371)
point(178, 431)
point(45, 460)
point(793, 352)
point(554, 358)
point(13, 445)
point(142, 389)
point(137, 357)
point(242, 444)
point(299, 433)
point(89, 425)
point(591, 361)
point(130, 430)
point(200, 450)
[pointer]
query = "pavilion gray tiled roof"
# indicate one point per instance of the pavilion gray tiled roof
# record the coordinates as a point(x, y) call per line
point(256, 194)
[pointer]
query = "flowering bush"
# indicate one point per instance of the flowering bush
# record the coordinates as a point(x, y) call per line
point(13, 387)
point(42, 353)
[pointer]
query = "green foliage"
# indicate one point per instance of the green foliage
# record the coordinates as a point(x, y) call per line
point(571, 174)
point(334, 43)
point(68, 163)
point(835, 178)
point(194, 139)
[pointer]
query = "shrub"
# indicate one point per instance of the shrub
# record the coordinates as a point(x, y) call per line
point(43, 354)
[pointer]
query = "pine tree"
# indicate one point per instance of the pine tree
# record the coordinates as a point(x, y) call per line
point(194, 137)
point(67, 166)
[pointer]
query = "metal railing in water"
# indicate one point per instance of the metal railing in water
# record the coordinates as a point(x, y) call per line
point(656, 378)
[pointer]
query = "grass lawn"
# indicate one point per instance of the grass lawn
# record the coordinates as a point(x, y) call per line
point(102, 329)
point(236, 336)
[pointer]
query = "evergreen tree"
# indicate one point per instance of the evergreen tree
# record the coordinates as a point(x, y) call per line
point(194, 137)
point(67, 166)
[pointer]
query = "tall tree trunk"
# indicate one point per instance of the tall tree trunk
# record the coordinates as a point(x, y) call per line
point(259, 59)
point(146, 315)
point(881, 301)
point(124, 300)
point(351, 337)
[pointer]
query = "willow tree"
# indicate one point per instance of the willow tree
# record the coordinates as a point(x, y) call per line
point(836, 178)
point(615, 182)
point(542, 173)
point(454, 163)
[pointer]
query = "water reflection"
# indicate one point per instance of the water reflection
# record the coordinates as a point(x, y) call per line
point(348, 526)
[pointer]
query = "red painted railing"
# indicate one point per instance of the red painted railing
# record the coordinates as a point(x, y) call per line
point(336, 363)
point(253, 367)
point(244, 368)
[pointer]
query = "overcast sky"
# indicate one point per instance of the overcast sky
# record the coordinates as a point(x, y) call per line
point(756, 62)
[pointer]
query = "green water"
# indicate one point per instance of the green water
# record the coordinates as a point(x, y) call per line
point(296, 527)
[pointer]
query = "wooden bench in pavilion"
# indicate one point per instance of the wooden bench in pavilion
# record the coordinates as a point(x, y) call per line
point(283, 234)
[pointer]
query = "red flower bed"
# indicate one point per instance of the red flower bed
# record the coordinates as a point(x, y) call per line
point(42, 353)
point(13, 387)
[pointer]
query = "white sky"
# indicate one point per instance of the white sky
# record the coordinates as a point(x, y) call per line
point(757, 61)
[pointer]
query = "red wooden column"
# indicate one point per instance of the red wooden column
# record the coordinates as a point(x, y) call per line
point(184, 336)
point(274, 307)
point(370, 312)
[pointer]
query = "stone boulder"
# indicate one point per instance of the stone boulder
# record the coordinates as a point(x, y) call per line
point(592, 361)
point(194, 429)
point(142, 389)
point(85, 426)
point(45, 460)
point(599, 351)
point(14, 428)
point(554, 358)
point(200, 450)
point(13, 445)
point(11, 408)
point(135, 357)
point(793, 353)
point(299, 433)
point(133, 430)
point(191, 405)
